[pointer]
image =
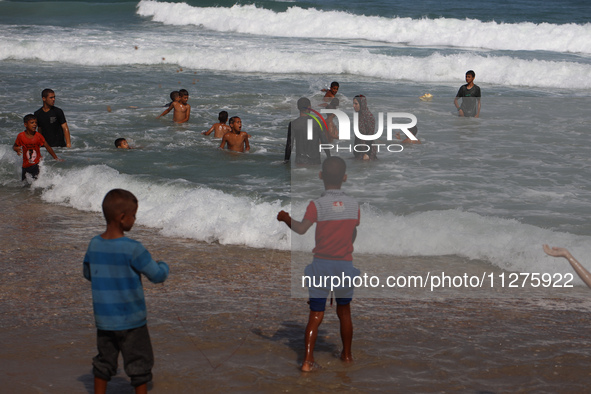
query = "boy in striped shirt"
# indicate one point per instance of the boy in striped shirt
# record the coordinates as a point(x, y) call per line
point(114, 264)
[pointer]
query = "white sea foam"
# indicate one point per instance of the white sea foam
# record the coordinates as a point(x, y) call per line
point(181, 210)
point(501, 70)
point(505, 243)
point(308, 23)
point(174, 207)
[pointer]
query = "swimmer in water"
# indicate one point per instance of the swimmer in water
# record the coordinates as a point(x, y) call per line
point(220, 128)
point(236, 139)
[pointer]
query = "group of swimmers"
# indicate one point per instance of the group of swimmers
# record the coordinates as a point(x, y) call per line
point(55, 132)
point(237, 140)
point(231, 135)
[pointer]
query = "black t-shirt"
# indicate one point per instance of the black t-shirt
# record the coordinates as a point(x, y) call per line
point(470, 98)
point(50, 125)
point(307, 151)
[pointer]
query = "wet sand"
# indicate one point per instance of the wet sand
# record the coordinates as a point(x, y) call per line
point(225, 321)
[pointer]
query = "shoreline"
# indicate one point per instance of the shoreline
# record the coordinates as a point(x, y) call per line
point(225, 320)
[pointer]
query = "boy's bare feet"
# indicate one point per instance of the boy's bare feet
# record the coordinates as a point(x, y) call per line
point(346, 357)
point(309, 366)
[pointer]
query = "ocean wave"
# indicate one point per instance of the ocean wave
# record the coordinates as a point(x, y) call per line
point(174, 207)
point(180, 209)
point(505, 243)
point(435, 68)
point(311, 23)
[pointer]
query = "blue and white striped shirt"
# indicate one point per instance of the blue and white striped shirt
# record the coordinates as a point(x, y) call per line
point(114, 266)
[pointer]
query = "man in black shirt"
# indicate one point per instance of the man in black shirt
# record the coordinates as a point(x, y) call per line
point(470, 94)
point(51, 121)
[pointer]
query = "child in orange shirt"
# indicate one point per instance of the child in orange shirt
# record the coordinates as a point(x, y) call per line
point(29, 143)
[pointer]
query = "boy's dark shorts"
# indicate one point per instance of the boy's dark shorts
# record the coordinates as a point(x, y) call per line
point(33, 170)
point(321, 268)
point(319, 304)
point(136, 349)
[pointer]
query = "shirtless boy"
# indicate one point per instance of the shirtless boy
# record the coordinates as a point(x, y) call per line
point(220, 128)
point(176, 98)
point(182, 110)
point(236, 139)
point(121, 143)
point(332, 92)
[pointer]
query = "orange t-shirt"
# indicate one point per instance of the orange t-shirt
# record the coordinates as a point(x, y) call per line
point(31, 148)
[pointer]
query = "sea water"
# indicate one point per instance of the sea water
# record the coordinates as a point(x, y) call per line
point(490, 189)
point(477, 197)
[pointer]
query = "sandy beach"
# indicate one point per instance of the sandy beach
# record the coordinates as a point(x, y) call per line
point(225, 321)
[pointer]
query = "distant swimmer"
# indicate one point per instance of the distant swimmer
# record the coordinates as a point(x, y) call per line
point(331, 93)
point(414, 130)
point(182, 110)
point(175, 97)
point(220, 128)
point(470, 94)
point(563, 252)
point(236, 139)
point(121, 143)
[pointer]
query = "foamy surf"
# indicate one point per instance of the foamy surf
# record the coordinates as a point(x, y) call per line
point(435, 68)
point(179, 209)
point(311, 23)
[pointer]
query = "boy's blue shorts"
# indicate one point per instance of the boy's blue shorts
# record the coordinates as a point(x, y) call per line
point(322, 268)
point(319, 304)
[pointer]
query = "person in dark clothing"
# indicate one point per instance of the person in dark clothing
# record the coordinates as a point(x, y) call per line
point(307, 150)
point(470, 94)
point(51, 121)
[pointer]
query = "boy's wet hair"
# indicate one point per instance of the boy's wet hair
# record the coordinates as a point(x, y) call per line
point(223, 116)
point(118, 201)
point(119, 141)
point(333, 84)
point(233, 118)
point(183, 92)
point(46, 92)
point(333, 170)
point(174, 95)
point(472, 73)
point(28, 117)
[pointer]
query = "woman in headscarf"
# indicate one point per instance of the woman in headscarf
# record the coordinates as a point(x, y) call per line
point(367, 125)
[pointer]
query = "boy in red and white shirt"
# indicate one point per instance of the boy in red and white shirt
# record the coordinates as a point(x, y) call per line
point(336, 216)
point(28, 144)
